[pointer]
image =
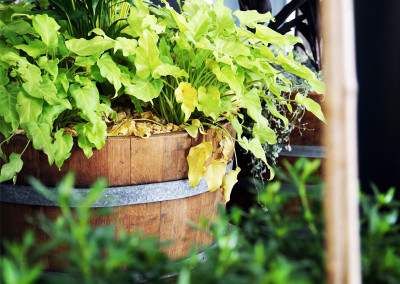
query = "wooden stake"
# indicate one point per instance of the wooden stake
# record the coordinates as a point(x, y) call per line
point(341, 193)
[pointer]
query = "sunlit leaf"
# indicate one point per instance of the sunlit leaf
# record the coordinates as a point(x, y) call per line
point(193, 129)
point(110, 70)
point(8, 103)
point(251, 17)
point(145, 90)
point(167, 69)
point(147, 55)
point(41, 138)
point(127, 46)
point(196, 158)
point(228, 183)
point(84, 47)
point(47, 28)
point(34, 48)
point(214, 173)
point(311, 106)
point(28, 108)
point(210, 102)
point(186, 95)
point(86, 99)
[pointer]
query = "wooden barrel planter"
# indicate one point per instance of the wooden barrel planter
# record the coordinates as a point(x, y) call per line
point(148, 189)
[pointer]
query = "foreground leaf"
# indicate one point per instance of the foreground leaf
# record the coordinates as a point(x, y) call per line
point(63, 146)
point(254, 146)
point(110, 70)
point(214, 173)
point(28, 108)
point(196, 158)
point(228, 183)
point(84, 47)
point(145, 89)
point(14, 166)
point(147, 55)
point(251, 17)
point(87, 99)
point(8, 103)
point(47, 28)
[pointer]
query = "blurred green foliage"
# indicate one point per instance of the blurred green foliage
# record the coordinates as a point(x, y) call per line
point(279, 240)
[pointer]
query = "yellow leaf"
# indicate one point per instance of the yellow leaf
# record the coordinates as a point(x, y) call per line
point(214, 173)
point(193, 129)
point(196, 158)
point(227, 146)
point(187, 95)
point(228, 183)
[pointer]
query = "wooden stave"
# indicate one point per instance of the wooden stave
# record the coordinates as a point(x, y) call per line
point(149, 160)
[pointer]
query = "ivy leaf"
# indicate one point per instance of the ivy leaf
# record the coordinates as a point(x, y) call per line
point(228, 183)
point(63, 146)
point(167, 69)
point(28, 108)
point(186, 95)
point(147, 54)
point(145, 90)
point(47, 28)
point(254, 146)
point(209, 101)
point(110, 70)
point(87, 99)
point(34, 48)
point(196, 158)
point(41, 138)
point(311, 106)
point(214, 172)
point(10, 169)
point(251, 17)
point(84, 47)
point(128, 46)
point(8, 103)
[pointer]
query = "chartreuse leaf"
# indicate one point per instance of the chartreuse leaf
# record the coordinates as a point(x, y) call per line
point(63, 146)
point(51, 66)
point(84, 47)
point(147, 55)
point(128, 46)
point(86, 98)
point(199, 24)
point(263, 132)
point(214, 173)
point(5, 128)
point(269, 36)
point(10, 169)
point(87, 60)
point(47, 28)
point(251, 102)
point(210, 102)
point(276, 113)
point(224, 19)
point(251, 17)
point(145, 90)
point(137, 14)
point(180, 20)
point(231, 49)
point(31, 75)
point(151, 21)
point(226, 75)
point(110, 70)
point(4, 77)
point(28, 108)
point(228, 183)
point(193, 129)
point(187, 95)
point(254, 146)
point(167, 69)
point(8, 103)
point(237, 126)
point(41, 138)
point(34, 48)
point(48, 91)
point(196, 158)
point(85, 145)
point(95, 133)
point(294, 67)
point(311, 106)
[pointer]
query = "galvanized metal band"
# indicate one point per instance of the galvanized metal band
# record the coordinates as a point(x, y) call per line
point(304, 151)
point(113, 196)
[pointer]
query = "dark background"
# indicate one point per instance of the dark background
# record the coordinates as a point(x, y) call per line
point(377, 26)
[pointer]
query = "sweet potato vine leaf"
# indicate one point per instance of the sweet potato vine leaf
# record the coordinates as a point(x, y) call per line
point(311, 106)
point(47, 28)
point(196, 158)
point(228, 182)
point(41, 138)
point(14, 166)
point(187, 95)
point(214, 173)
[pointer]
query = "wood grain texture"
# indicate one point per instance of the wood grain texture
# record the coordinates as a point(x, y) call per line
point(124, 160)
point(167, 220)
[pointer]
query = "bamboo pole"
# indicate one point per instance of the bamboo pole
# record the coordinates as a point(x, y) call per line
point(341, 193)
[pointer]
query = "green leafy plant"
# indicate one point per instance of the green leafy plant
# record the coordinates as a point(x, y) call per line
point(194, 68)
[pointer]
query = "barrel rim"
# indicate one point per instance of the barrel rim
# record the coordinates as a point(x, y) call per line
point(112, 196)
